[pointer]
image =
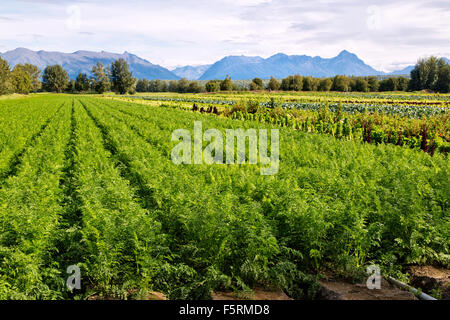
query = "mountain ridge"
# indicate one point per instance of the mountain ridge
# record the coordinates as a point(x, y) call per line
point(238, 67)
point(191, 72)
point(82, 61)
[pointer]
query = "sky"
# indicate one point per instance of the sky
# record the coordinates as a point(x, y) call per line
point(386, 34)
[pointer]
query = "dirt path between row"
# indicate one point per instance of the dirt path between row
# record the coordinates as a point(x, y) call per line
point(335, 290)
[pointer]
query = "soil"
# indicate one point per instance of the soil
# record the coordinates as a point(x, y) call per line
point(432, 280)
point(150, 296)
point(337, 290)
point(259, 294)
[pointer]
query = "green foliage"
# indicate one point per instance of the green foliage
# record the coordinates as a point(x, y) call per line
point(20, 81)
point(226, 84)
point(212, 86)
point(55, 79)
point(325, 84)
point(90, 181)
point(431, 74)
point(5, 71)
point(157, 86)
point(121, 78)
point(82, 83)
point(256, 84)
point(307, 84)
point(30, 202)
point(142, 85)
point(394, 84)
point(100, 81)
point(361, 85)
point(34, 74)
point(341, 83)
point(273, 84)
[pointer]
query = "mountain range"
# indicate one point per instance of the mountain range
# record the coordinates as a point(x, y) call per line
point(191, 72)
point(83, 61)
point(282, 65)
point(237, 67)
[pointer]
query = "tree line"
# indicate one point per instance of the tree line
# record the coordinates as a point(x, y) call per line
point(431, 74)
point(26, 78)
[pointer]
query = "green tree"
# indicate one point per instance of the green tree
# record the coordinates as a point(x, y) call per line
point(34, 74)
point(341, 83)
point(55, 79)
point(183, 85)
point(194, 87)
point(308, 83)
point(273, 84)
point(297, 83)
point(443, 83)
point(226, 84)
point(286, 83)
point(5, 72)
point(122, 79)
point(142, 85)
point(402, 84)
point(20, 81)
point(100, 81)
point(361, 85)
point(325, 84)
point(157, 86)
point(373, 83)
point(387, 85)
point(212, 86)
point(426, 72)
point(315, 84)
point(256, 84)
point(82, 83)
point(173, 86)
point(71, 86)
point(152, 86)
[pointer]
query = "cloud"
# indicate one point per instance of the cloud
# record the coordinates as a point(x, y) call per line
point(302, 27)
point(2, 18)
point(174, 32)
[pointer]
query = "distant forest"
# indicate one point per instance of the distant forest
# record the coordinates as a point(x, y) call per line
point(431, 74)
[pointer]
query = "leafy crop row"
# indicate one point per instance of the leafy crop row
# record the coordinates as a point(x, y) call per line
point(19, 123)
point(411, 111)
point(121, 242)
point(97, 188)
point(30, 207)
point(333, 203)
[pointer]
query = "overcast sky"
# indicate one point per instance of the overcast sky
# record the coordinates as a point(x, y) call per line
point(386, 34)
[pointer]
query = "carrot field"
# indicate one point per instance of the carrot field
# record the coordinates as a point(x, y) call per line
point(88, 180)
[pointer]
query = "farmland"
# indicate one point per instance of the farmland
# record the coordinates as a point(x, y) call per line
point(88, 180)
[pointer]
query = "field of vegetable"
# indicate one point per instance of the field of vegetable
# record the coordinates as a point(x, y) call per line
point(419, 121)
point(89, 181)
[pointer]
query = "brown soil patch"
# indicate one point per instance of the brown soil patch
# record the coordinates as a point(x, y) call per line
point(432, 280)
point(150, 296)
point(336, 290)
point(258, 294)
